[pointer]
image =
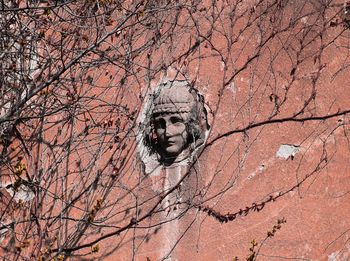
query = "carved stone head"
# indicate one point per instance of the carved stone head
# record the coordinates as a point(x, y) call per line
point(178, 122)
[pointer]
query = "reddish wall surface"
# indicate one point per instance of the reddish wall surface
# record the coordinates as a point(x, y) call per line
point(279, 140)
point(248, 167)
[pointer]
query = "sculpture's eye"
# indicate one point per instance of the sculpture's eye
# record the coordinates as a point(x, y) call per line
point(159, 123)
point(176, 119)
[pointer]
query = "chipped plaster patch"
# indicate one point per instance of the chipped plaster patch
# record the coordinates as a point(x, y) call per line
point(286, 150)
point(22, 194)
point(222, 66)
point(232, 88)
point(260, 169)
point(304, 20)
point(333, 256)
point(340, 255)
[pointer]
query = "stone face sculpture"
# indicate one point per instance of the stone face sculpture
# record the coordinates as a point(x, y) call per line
point(177, 122)
point(173, 126)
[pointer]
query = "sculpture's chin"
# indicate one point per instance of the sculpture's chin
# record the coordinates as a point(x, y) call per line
point(173, 155)
point(172, 151)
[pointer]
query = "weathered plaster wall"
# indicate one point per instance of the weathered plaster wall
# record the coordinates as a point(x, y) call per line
point(297, 170)
point(251, 166)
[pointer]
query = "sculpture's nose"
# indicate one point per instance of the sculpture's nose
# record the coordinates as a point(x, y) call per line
point(170, 130)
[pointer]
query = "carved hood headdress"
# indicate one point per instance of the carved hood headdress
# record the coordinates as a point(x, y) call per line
point(174, 97)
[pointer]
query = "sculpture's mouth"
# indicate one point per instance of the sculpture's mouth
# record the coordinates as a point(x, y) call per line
point(169, 143)
point(171, 147)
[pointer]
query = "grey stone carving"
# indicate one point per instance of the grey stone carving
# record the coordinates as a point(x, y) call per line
point(177, 122)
